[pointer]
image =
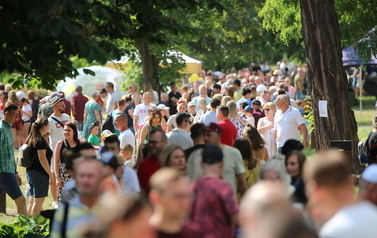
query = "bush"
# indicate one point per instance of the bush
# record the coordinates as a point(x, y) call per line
point(32, 226)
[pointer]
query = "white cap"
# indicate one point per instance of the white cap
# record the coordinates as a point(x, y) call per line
point(191, 104)
point(106, 133)
point(162, 107)
point(370, 174)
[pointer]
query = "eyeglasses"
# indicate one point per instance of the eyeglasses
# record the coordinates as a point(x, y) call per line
point(153, 142)
point(189, 121)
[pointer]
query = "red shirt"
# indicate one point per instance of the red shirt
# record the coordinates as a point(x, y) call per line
point(229, 132)
point(79, 100)
point(146, 169)
point(67, 107)
point(100, 101)
point(212, 207)
point(189, 230)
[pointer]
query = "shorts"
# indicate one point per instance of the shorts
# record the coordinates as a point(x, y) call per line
point(39, 184)
point(8, 183)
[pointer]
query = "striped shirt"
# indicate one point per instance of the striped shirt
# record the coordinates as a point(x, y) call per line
point(7, 161)
point(79, 216)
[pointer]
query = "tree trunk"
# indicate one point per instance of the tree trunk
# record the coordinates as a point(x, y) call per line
point(327, 77)
point(150, 66)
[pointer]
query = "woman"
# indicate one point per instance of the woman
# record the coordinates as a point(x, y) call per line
point(235, 118)
point(172, 123)
point(258, 144)
point(27, 113)
point(153, 122)
point(252, 165)
point(174, 156)
point(225, 100)
point(148, 88)
point(39, 174)
point(129, 112)
point(92, 113)
point(266, 128)
point(70, 141)
point(34, 103)
point(295, 163)
point(133, 89)
point(185, 92)
point(202, 104)
point(17, 125)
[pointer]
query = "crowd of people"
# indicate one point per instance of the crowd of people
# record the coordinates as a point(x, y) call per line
point(218, 157)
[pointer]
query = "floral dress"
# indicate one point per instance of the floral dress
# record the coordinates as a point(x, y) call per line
point(90, 108)
point(239, 127)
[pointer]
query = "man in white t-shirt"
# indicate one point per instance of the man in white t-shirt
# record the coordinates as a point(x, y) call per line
point(141, 111)
point(112, 99)
point(330, 187)
point(288, 123)
point(126, 136)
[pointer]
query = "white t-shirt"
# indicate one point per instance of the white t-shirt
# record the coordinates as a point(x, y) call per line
point(181, 138)
point(141, 111)
point(353, 221)
point(56, 130)
point(26, 108)
point(172, 121)
point(111, 99)
point(286, 125)
point(127, 137)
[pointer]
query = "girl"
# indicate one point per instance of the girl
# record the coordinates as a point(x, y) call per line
point(27, 113)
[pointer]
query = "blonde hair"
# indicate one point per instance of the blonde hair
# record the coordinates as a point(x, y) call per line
point(271, 105)
point(225, 100)
point(166, 153)
point(217, 96)
point(232, 106)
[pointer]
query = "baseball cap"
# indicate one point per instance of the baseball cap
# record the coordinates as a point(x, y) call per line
point(257, 102)
point(93, 125)
point(55, 100)
point(109, 159)
point(248, 109)
point(370, 174)
point(213, 127)
point(106, 133)
point(163, 107)
point(191, 104)
point(212, 154)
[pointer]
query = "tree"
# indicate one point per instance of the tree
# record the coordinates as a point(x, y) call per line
point(328, 79)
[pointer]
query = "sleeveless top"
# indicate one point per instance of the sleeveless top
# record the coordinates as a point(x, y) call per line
point(67, 147)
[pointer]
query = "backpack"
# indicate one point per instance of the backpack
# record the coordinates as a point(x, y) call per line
point(108, 124)
point(24, 156)
point(363, 151)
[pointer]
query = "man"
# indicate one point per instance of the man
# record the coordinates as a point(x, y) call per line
point(164, 100)
point(229, 130)
point(170, 196)
point(79, 212)
point(68, 109)
point(56, 129)
point(216, 89)
point(265, 97)
point(214, 209)
point(266, 211)
point(174, 97)
point(78, 106)
point(238, 90)
point(126, 136)
point(288, 122)
point(172, 121)
point(141, 111)
point(180, 136)
point(259, 83)
point(102, 94)
point(210, 116)
point(197, 136)
point(191, 108)
point(246, 96)
point(147, 167)
point(368, 184)
point(233, 170)
point(112, 99)
point(202, 94)
point(299, 84)
point(121, 108)
point(9, 178)
point(330, 188)
point(57, 121)
point(257, 112)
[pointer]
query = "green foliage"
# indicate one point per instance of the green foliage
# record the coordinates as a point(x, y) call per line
point(32, 226)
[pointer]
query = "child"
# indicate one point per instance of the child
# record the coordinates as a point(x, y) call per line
point(110, 182)
point(94, 130)
point(126, 153)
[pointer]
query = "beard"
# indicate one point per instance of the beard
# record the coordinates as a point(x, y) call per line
point(62, 110)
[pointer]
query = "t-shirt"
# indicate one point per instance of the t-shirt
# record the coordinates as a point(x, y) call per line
point(27, 109)
point(189, 230)
point(180, 137)
point(79, 100)
point(172, 121)
point(296, 80)
point(233, 165)
point(127, 137)
point(112, 98)
point(212, 207)
point(257, 114)
point(130, 181)
point(352, 221)
point(208, 118)
point(147, 168)
point(196, 102)
point(173, 106)
point(130, 121)
point(56, 130)
point(94, 140)
point(36, 164)
point(141, 111)
point(286, 124)
point(229, 132)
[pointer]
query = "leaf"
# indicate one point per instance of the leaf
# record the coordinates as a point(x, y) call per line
point(90, 72)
